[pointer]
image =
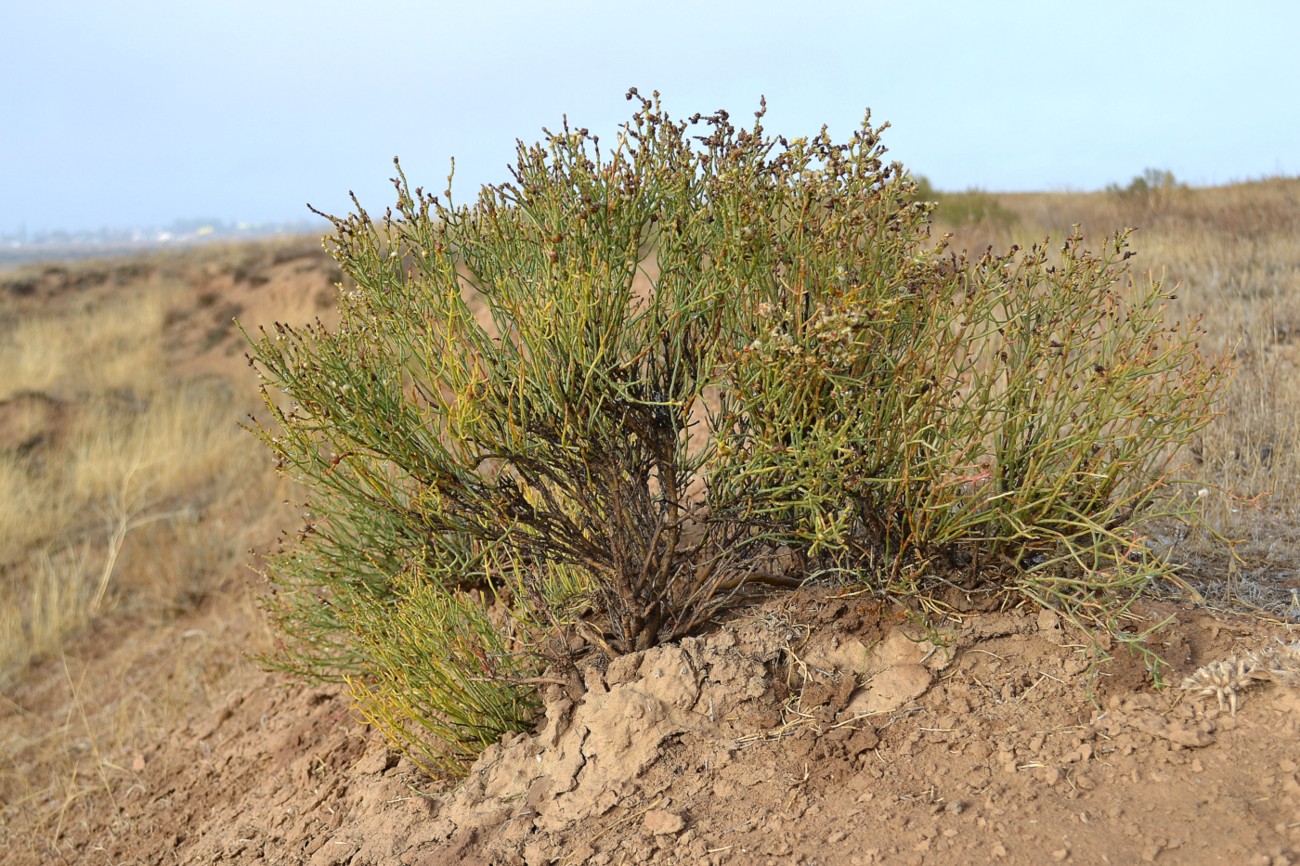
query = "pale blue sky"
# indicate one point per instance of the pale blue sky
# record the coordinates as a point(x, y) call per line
point(138, 112)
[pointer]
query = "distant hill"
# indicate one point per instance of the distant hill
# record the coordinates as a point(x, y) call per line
point(23, 247)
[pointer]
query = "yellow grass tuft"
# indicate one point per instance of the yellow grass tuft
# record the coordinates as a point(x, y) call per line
point(128, 463)
point(93, 349)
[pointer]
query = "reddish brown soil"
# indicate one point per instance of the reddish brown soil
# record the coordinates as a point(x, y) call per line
point(814, 727)
point(811, 729)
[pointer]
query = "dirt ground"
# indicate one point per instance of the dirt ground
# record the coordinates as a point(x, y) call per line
point(812, 728)
point(817, 727)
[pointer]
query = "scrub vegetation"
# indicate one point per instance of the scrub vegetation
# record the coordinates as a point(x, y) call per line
point(589, 409)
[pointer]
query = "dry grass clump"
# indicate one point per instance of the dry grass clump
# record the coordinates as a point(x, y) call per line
point(103, 458)
point(94, 349)
point(128, 496)
point(1225, 679)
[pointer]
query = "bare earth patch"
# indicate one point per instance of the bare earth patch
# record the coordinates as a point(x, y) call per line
point(810, 729)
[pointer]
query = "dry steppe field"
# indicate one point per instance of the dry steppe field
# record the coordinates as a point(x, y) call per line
point(821, 725)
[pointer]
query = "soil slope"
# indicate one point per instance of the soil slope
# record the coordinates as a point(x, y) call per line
point(813, 728)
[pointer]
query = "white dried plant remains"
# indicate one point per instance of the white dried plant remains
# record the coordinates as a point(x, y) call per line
point(1223, 680)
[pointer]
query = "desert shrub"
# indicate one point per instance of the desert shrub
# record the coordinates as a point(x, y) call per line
point(1152, 181)
point(436, 646)
point(974, 207)
point(1152, 191)
point(589, 408)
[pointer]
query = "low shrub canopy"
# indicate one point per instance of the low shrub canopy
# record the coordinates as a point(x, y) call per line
point(637, 378)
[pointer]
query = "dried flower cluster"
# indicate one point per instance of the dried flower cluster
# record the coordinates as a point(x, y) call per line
point(1223, 680)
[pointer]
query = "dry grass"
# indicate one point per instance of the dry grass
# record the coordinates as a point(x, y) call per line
point(29, 508)
point(98, 348)
point(129, 499)
point(128, 463)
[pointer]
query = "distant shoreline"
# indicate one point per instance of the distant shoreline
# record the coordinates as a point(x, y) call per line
point(54, 253)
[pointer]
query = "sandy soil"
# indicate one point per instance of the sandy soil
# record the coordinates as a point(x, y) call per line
point(813, 728)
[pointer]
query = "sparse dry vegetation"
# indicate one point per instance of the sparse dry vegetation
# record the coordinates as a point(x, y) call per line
point(128, 498)
point(99, 348)
point(137, 456)
point(121, 470)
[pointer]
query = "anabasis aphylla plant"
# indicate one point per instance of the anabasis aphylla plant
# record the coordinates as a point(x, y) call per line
point(632, 380)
